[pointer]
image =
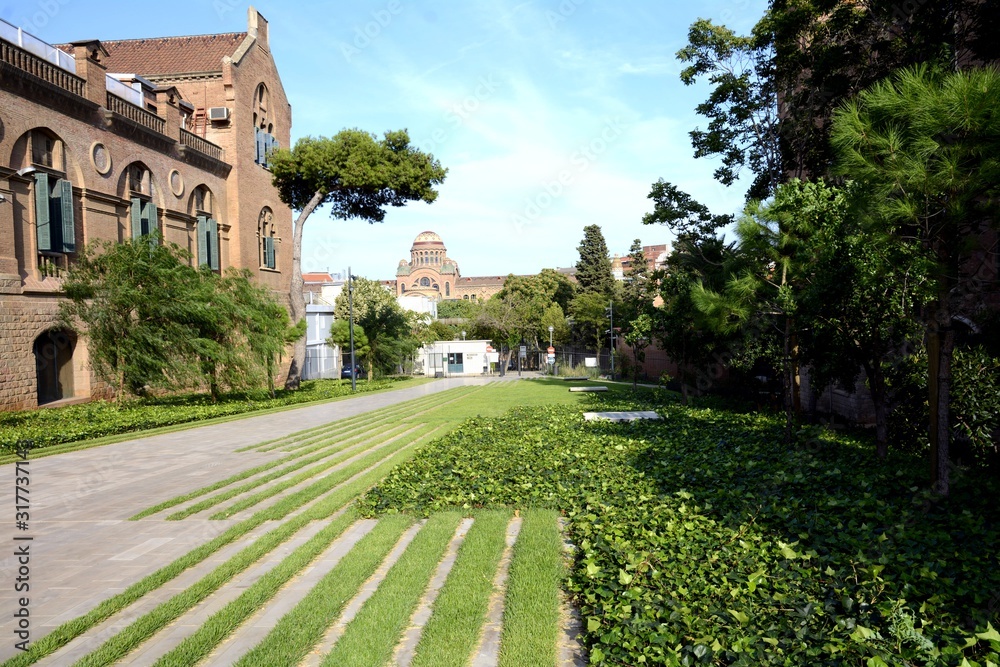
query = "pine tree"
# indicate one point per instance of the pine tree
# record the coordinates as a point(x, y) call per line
point(593, 271)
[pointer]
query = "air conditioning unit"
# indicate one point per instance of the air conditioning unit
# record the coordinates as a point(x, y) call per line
point(218, 113)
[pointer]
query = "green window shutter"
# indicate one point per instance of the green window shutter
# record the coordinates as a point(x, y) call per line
point(43, 212)
point(68, 222)
point(272, 145)
point(213, 234)
point(136, 217)
point(269, 252)
point(202, 240)
point(148, 222)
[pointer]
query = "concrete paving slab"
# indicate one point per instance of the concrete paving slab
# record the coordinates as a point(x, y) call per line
point(488, 652)
point(253, 631)
point(407, 647)
point(189, 622)
point(621, 416)
point(80, 500)
point(367, 590)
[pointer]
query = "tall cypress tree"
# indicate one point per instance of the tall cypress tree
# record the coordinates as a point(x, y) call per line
point(593, 271)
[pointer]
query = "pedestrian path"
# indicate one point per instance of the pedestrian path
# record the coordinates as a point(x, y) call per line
point(292, 576)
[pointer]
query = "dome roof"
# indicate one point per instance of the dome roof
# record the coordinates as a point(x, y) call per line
point(426, 240)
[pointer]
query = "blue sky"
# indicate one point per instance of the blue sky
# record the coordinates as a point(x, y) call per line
point(550, 116)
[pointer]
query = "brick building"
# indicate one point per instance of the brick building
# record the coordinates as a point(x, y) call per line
point(108, 141)
point(430, 272)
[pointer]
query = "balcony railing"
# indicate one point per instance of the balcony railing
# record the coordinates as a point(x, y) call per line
point(40, 68)
point(136, 114)
point(203, 146)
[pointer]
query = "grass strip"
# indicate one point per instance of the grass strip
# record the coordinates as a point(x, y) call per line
point(531, 608)
point(328, 482)
point(253, 484)
point(303, 627)
point(225, 621)
point(183, 424)
point(120, 645)
point(364, 418)
point(237, 477)
point(70, 630)
point(143, 628)
point(370, 637)
point(452, 631)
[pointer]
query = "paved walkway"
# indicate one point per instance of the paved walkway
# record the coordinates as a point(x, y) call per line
point(84, 550)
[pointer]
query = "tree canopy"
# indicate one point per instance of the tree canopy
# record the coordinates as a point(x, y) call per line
point(925, 145)
point(384, 321)
point(154, 322)
point(359, 176)
point(593, 270)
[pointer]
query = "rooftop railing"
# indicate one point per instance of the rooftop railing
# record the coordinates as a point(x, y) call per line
point(135, 114)
point(203, 146)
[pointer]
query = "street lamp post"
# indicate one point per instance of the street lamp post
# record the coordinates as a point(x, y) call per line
point(350, 309)
point(463, 335)
point(611, 314)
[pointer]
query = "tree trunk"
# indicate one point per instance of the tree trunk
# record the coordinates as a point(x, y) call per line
point(940, 345)
point(788, 382)
point(876, 385)
point(296, 302)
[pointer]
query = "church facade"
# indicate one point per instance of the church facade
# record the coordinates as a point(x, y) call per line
point(432, 273)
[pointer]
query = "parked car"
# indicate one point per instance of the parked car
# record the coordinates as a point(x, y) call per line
point(359, 372)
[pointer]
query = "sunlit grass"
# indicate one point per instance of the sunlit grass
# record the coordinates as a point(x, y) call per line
point(370, 637)
point(460, 609)
point(531, 608)
point(301, 629)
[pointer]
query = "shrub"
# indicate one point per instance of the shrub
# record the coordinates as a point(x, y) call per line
point(975, 406)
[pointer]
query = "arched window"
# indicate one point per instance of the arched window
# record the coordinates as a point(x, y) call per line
point(208, 229)
point(465, 297)
point(425, 282)
point(447, 289)
point(55, 224)
point(402, 288)
point(266, 239)
point(263, 125)
point(140, 189)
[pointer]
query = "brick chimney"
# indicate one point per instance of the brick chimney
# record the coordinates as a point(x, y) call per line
point(168, 107)
point(90, 55)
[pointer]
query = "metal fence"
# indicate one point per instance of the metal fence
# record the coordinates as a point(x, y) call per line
point(321, 363)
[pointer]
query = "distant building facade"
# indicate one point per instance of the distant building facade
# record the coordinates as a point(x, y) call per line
point(430, 272)
point(116, 140)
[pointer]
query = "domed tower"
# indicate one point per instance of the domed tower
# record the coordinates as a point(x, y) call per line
point(427, 250)
point(430, 271)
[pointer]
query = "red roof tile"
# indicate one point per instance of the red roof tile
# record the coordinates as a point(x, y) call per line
point(169, 55)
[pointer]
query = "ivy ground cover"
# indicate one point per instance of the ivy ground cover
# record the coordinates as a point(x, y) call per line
point(704, 539)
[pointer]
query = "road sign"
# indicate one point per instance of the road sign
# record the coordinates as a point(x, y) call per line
point(523, 352)
point(550, 359)
point(551, 350)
